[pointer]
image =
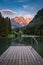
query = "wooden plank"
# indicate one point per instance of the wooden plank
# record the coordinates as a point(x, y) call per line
point(32, 58)
point(7, 56)
point(14, 57)
point(11, 57)
point(4, 55)
point(37, 56)
point(20, 55)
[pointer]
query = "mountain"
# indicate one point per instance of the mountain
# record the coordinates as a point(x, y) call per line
point(36, 25)
point(28, 20)
point(15, 24)
point(38, 19)
point(20, 21)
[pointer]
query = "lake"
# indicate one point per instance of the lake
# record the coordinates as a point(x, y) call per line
point(36, 43)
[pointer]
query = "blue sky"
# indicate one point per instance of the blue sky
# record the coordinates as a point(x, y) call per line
point(25, 8)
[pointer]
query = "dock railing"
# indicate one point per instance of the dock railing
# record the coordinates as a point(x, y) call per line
point(36, 42)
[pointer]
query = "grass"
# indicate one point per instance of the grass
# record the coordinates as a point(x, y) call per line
point(11, 36)
point(30, 36)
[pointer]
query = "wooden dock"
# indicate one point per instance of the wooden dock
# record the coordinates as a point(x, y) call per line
point(20, 55)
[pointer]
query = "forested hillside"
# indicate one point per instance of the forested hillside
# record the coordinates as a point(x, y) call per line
point(5, 26)
point(36, 25)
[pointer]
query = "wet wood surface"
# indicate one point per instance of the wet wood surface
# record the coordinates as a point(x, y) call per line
point(20, 55)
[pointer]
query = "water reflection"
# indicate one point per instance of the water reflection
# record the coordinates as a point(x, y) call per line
point(25, 41)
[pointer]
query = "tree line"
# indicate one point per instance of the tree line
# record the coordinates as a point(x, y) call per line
point(5, 25)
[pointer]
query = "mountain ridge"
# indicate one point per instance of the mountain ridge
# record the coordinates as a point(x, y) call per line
point(21, 20)
point(36, 25)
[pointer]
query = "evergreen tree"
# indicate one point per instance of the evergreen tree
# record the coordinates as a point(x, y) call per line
point(5, 26)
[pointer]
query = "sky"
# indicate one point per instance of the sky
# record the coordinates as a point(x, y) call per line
point(25, 8)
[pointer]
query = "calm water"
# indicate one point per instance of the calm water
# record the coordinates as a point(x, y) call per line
point(5, 43)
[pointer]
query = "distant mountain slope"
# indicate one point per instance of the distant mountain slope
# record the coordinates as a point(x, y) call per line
point(36, 25)
point(28, 20)
point(38, 19)
point(15, 24)
point(21, 21)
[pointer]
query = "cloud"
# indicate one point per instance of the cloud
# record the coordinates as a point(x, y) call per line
point(27, 7)
point(11, 14)
point(7, 12)
point(24, 14)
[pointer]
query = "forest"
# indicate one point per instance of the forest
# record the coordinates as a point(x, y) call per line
point(5, 26)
